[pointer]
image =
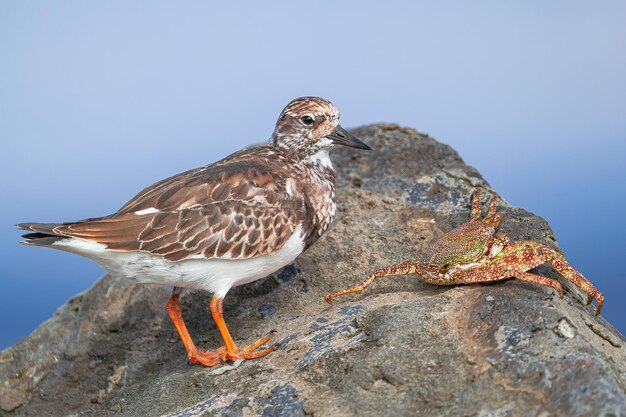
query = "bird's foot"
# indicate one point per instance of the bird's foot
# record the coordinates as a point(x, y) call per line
point(221, 355)
point(208, 357)
point(250, 351)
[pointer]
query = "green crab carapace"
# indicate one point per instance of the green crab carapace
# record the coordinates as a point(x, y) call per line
point(475, 252)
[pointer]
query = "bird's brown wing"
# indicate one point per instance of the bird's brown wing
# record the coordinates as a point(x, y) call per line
point(231, 229)
point(244, 176)
point(237, 208)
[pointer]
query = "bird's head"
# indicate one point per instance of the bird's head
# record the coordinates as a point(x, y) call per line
point(309, 125)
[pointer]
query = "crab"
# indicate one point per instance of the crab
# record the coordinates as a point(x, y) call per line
point(475, 252)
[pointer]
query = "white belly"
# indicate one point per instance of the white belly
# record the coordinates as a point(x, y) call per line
point(215, 275)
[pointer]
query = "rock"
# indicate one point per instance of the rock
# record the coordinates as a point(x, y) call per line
point(403, 347)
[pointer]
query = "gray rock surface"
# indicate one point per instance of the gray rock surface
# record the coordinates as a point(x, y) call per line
point(403, 347)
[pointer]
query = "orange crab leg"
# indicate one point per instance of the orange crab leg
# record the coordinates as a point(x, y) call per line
point(522, 256)
point(492, 217)
point(538, 279)
point(495, 273)
point(404, 268)
point(476, 211)
point(519, 257)
point(559, 262)
point(493, 205)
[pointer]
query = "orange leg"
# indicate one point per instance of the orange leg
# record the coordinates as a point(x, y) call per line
point(232, 350)
point(228, 351)
point(195, 355)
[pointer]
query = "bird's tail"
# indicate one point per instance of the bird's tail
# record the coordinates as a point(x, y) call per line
point(42, 234)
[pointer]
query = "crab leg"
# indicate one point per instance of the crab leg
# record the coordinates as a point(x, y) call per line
point(522, 256)
point(559, 262)
point(491, 274)
point(528, 254)
point(492, 216)
point(495, 273)
point(476, 211)
point(538, 279)
point(493, 205)
point(404, 268)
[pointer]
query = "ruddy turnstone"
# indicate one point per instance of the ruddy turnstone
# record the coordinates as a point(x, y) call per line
point(221, 225)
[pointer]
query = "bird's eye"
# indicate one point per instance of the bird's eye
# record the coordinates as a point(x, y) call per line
point(307, 120)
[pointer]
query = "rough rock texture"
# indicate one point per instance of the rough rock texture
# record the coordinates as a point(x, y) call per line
point(401, 348)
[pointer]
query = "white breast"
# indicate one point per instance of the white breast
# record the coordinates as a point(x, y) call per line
point(214, 275)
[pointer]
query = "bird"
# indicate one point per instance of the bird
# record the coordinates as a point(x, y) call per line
point(221, 225)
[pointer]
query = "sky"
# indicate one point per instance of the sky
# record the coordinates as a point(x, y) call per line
point(99, 100)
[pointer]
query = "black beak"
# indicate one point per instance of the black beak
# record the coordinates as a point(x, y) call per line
point(341, 137)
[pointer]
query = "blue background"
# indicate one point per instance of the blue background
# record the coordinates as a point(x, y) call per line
point(98, 100)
